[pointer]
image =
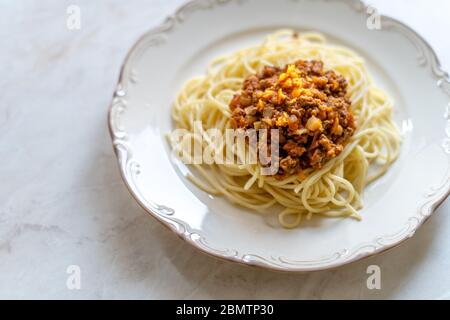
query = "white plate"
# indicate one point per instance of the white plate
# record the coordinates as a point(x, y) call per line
point(401, 62)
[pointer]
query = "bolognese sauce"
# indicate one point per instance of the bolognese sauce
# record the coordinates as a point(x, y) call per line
point(308, 105)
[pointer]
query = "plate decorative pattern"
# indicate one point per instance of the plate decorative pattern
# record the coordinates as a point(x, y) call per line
point(131, 169)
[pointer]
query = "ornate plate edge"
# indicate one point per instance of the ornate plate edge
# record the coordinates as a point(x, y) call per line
point(129, 168)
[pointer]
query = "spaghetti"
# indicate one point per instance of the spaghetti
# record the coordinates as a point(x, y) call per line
point(333, 189)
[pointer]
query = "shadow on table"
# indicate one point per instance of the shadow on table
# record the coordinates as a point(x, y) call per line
point(228, 280)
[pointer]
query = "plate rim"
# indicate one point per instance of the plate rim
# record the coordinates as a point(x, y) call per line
point(128, 168)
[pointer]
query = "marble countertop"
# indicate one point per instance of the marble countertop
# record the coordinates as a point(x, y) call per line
point(63, 203)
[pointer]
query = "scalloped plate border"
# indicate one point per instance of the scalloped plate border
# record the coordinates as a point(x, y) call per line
point(129, 168)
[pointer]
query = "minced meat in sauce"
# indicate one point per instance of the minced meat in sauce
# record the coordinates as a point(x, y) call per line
point(308, 105)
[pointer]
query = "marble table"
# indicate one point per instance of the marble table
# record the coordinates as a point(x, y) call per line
point(62, 201)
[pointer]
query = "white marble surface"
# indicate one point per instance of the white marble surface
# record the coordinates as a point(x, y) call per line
point(62, 201)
